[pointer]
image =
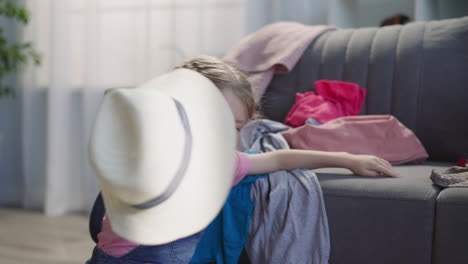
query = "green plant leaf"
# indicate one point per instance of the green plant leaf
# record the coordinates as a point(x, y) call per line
point(13, 56)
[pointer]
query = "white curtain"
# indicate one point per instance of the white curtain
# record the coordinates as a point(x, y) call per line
point(89, 46)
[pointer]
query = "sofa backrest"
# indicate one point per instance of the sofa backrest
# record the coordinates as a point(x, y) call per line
point(417, 72)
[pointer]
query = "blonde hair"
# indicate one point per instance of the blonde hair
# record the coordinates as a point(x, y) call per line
point(225, 76)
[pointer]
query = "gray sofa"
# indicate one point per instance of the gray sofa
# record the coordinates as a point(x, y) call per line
point(418, 73)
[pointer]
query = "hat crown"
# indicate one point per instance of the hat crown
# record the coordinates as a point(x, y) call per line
point(144, 135)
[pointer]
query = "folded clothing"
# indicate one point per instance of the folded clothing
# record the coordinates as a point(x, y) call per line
point(331, 99)
point(380, 135)
point(275, 48)
point(453, 177)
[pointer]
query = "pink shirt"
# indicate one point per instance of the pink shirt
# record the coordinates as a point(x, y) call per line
point(114, 245)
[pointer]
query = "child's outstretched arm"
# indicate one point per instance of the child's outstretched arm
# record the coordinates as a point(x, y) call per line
point(364, 165)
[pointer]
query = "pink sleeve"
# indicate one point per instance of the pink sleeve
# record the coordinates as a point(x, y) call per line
point(242, 166)
point(111, 243)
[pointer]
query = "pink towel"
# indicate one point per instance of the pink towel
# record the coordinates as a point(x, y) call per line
point(331, 100)
point(275, 48)
point(380, 135)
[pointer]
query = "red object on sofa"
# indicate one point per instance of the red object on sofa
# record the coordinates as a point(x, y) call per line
point(380, 135)
point(331, 100)
point(462, 162)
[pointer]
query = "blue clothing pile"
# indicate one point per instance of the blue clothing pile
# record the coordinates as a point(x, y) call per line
point(225, 237)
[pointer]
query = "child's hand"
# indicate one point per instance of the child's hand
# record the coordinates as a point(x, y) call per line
point(367, 165)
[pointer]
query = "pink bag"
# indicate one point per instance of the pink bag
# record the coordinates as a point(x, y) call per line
point(380, 135)
point(331, 100)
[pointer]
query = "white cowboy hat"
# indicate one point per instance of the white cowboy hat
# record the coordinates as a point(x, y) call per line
point(163, 154)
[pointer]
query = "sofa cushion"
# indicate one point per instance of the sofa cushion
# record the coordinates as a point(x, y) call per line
point(451, 227)
point(416, 72)
point(381, 219)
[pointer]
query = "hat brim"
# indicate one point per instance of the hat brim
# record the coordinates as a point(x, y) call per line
point(209, 175)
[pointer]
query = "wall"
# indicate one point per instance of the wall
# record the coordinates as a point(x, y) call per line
point(349, 13)
point(371, 12)
point(262, 12)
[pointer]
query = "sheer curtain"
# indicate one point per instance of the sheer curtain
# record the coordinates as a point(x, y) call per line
point(89, 46)
point(263, 12)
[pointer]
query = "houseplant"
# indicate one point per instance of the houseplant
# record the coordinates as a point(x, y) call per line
point(13, 55)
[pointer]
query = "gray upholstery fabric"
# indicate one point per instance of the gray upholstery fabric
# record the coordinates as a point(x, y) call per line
point(417, 72)
point(381, 220)
point(451, 230)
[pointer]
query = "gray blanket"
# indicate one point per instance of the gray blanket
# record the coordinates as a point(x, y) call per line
point(453, 177)
point(289, 223)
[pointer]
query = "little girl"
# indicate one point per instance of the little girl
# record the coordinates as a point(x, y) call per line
point(235, 87)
